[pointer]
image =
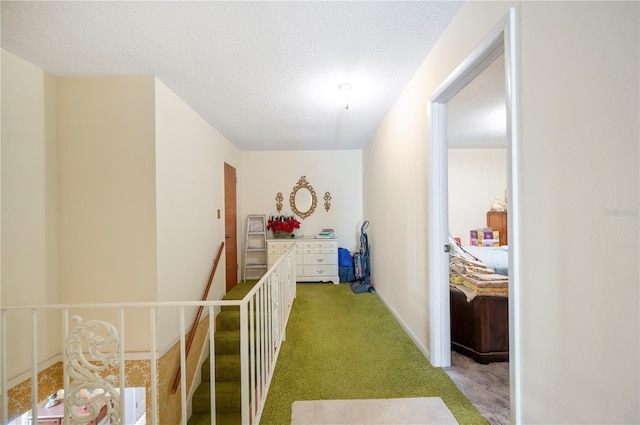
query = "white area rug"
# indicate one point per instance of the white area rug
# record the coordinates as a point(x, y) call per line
point(389, 411)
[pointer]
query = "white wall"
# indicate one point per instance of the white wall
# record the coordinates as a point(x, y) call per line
point(476, 178)
point(578, 163)
point(29, 205)
point(264, 174)
point(190, 157)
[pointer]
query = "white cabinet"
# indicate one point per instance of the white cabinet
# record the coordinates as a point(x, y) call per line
point(316, 259)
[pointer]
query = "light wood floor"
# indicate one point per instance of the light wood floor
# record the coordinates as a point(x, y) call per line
point(486, 386)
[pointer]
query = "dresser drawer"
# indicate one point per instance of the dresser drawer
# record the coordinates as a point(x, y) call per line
point(313, 259)
point(277, 251)
point(319, 244)
point(273, 257)
point(319, 250)
point(278, 247)
point(320, 270)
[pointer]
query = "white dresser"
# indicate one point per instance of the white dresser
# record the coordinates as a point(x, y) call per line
point(316, 259)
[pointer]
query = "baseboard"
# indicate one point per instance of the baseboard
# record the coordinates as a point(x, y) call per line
point(18, 379)
point(395, 314)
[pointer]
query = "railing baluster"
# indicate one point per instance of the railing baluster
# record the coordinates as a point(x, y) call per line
point(122, 365)
point(34, 364)
point(262, 342)
point(65, 361)
point(252, 351)
point(244, 363)
point(154, 398)
point(3, 371)
point(269, 336)
point(212, 363)
point(183, 366)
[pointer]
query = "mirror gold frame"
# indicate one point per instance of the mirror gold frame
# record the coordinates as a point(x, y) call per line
point(303, 184)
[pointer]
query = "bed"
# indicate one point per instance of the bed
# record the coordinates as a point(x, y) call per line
point(479, 303)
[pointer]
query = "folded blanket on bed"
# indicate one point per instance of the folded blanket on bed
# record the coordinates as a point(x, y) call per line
point(476, 279)
point(489, 279)
point(480, 288)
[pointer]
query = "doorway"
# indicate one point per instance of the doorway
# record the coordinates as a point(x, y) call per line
point(477, 181)
point(500, 41)
point(230, 227)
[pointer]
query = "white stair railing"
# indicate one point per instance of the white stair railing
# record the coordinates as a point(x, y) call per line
point(95, 371)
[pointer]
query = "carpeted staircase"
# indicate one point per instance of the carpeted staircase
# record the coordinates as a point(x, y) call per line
point(227, 374)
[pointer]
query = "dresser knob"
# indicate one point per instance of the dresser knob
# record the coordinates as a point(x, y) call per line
point(319, 260)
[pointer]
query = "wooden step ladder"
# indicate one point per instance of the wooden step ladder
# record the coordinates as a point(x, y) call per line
point(255, 247)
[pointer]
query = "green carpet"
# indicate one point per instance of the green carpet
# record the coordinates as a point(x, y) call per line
point(227, 363)
point(346, 346)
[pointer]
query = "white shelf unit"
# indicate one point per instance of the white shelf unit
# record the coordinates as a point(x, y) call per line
point(255, 247)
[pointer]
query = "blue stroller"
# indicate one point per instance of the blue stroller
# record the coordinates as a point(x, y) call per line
point(362, 265)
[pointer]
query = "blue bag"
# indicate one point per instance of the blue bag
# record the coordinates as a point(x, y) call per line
point(344, 258)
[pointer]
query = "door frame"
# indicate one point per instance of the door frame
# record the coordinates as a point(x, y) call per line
point(501, 39)
point(230, 227)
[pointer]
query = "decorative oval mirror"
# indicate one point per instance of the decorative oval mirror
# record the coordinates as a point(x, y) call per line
point(303, 199)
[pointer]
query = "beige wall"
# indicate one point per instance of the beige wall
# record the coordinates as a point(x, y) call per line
point(106, 189)
point(157, 208)
point(135, 210)
point(190, 157)
point(579, 165)
point(578, 184)
point(29, 205)
point(107, 240)
point(476, 178)
point(337, 172)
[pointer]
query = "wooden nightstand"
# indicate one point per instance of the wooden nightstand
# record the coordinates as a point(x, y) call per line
point(497, 220)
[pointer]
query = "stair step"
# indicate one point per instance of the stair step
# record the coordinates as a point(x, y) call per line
point(205, 371)
point(228, 320)
point(227, 367)
point(227, 397)
point(227, 342)
point(227, 364)
point(221, 419)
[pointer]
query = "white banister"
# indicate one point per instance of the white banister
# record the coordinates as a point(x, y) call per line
point(264, 312)
point(3, 369)
point(34, 357)
point(123, 405)
point(65, 360)
point(212, 364)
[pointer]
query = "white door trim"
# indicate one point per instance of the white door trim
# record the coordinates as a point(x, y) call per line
point(501, 39)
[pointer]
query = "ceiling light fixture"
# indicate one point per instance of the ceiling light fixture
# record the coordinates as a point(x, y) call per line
point(345, 88)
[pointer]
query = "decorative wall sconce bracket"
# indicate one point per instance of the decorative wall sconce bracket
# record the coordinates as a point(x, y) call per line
point(327, 204)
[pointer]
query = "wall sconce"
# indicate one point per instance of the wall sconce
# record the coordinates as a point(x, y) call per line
point(327, 204)
point(279, 199)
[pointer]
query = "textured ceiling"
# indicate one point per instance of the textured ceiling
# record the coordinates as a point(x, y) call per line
point(477, 115)
point(265, 74)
